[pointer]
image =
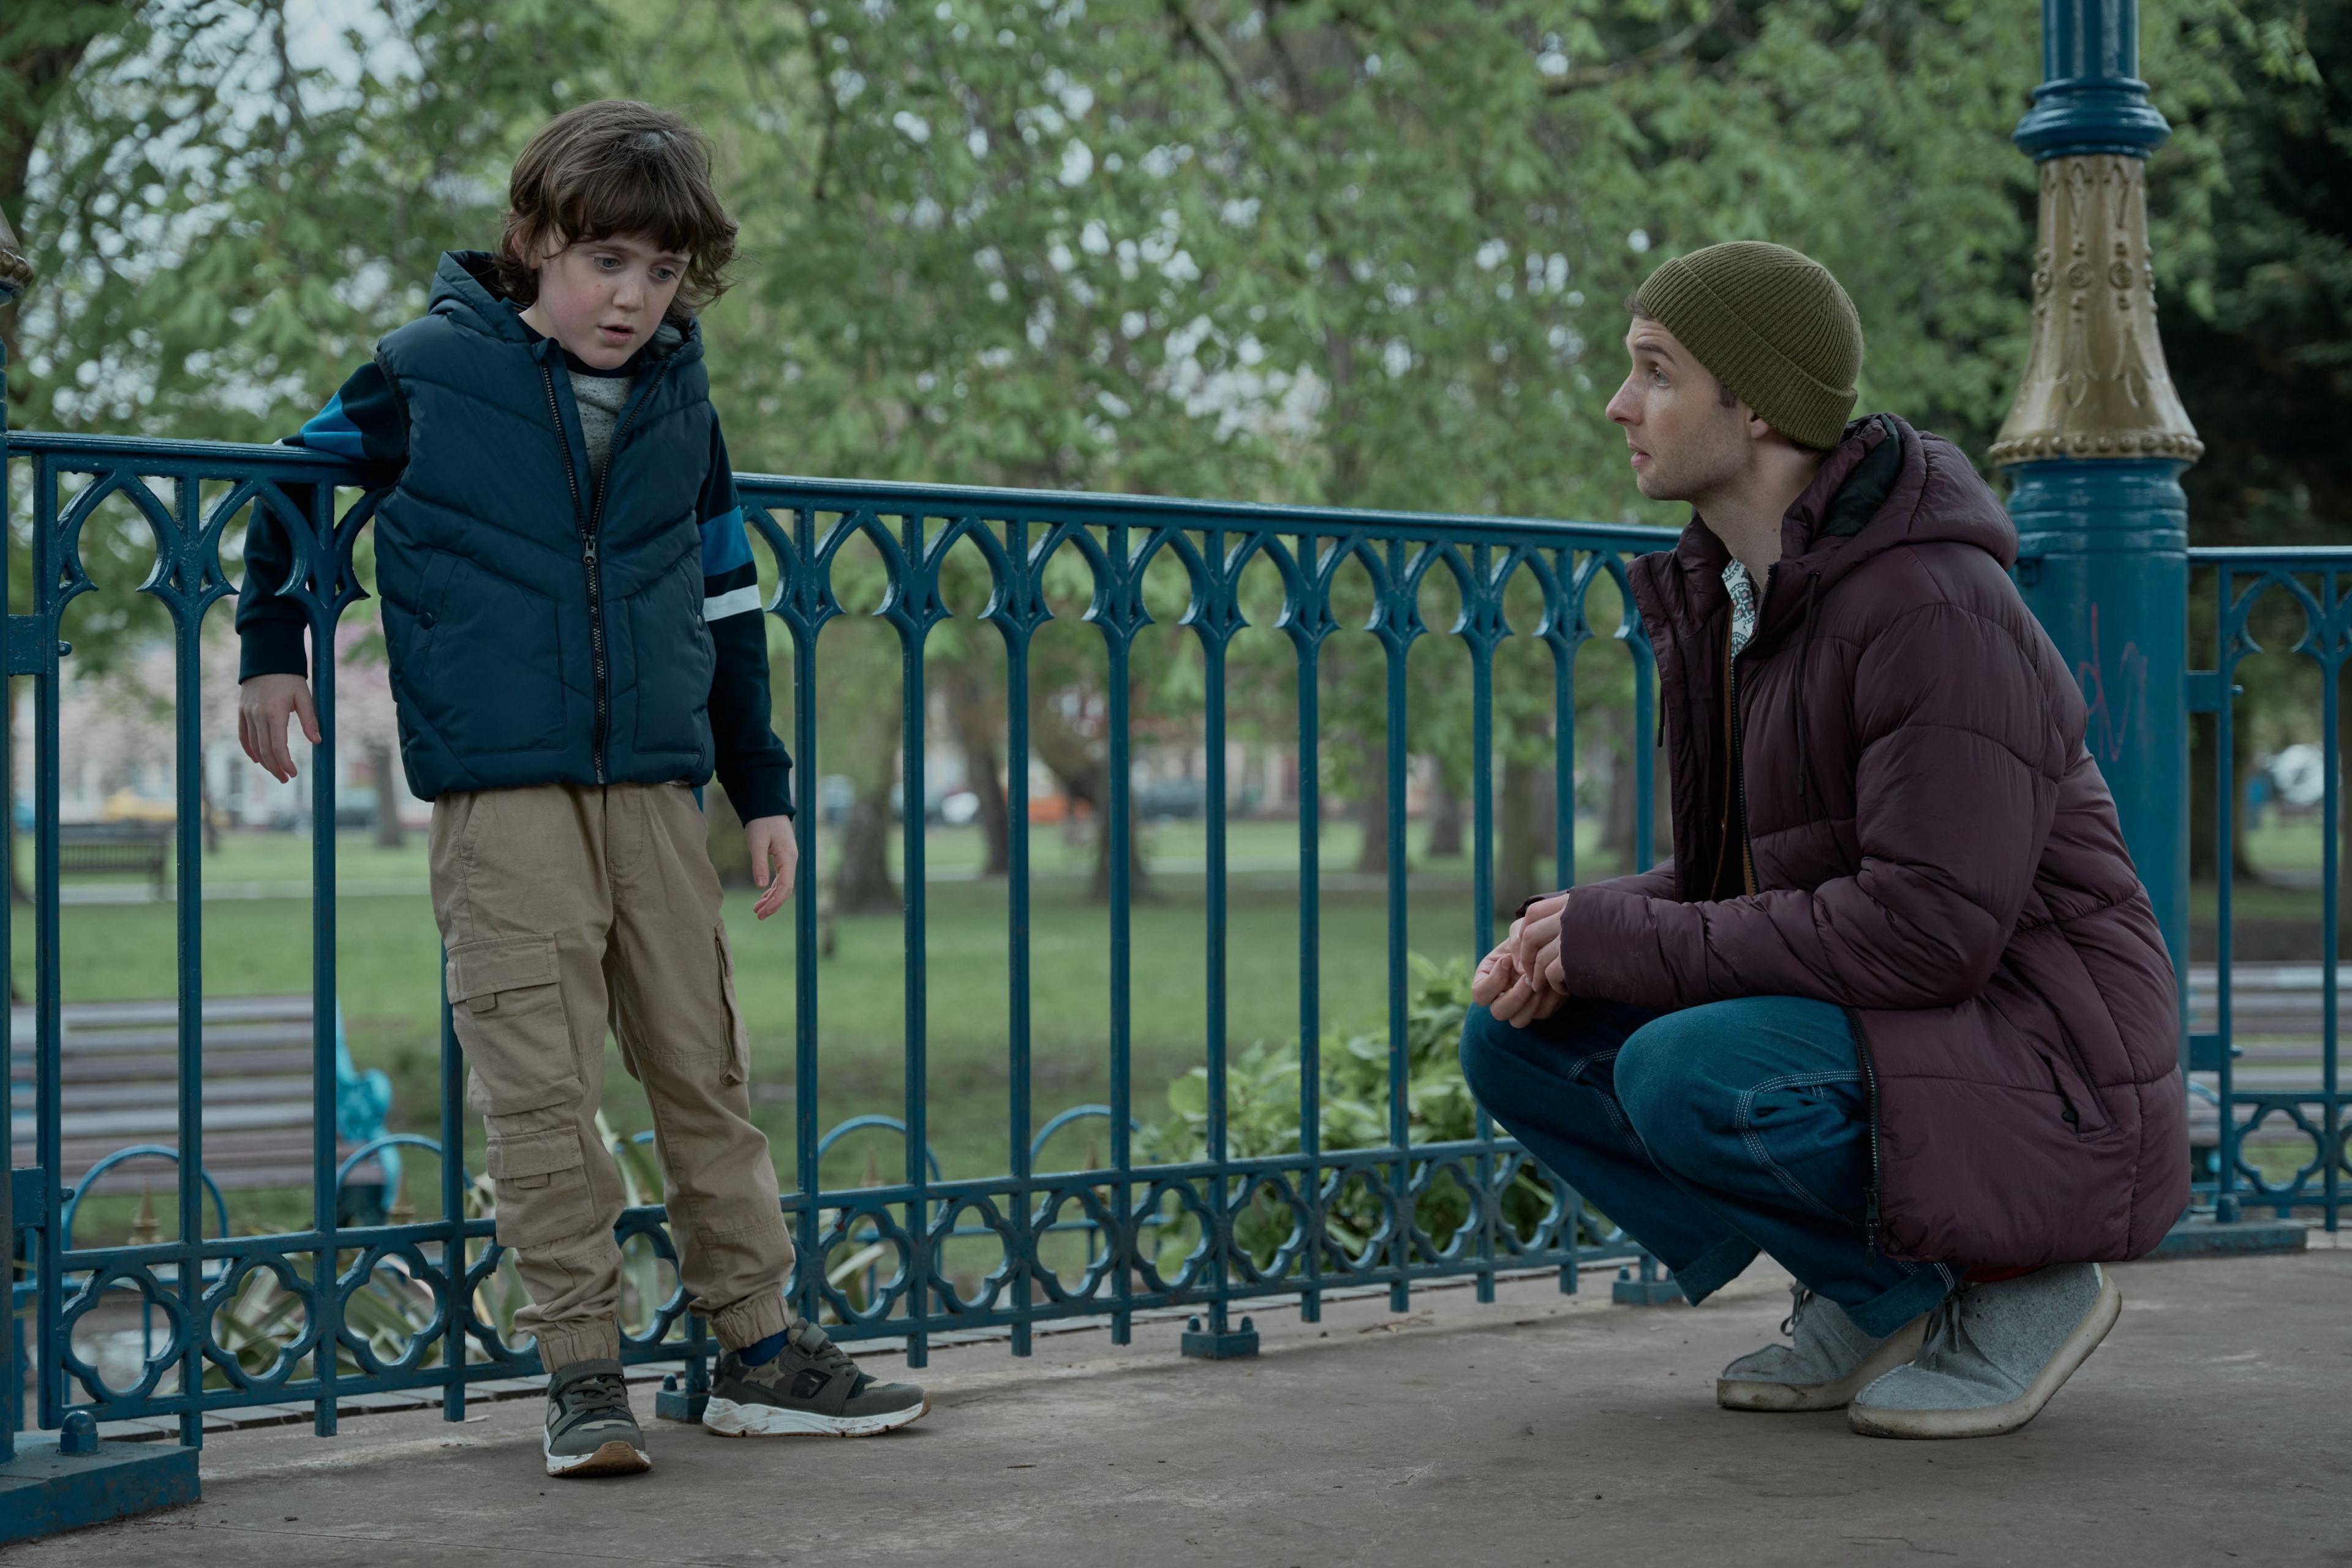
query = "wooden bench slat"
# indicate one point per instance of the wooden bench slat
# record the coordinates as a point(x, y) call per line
point(154, 1039)
point(119, 1069)
point(75, 1099)
point(274, 1063)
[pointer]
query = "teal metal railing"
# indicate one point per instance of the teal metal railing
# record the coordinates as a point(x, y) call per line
point(2279, 1138)
point(333, 1281)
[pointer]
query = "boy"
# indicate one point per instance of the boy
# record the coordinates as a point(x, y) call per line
point(576, 643)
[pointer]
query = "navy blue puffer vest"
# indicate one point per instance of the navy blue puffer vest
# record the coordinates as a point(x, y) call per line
point(541, 629)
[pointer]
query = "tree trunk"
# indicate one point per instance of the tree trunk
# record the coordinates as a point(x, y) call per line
point(1084, 778)
point(1447, 818)
point(861, 881)
point(1621, 797)
point(864, 692)
point(384, 772)
point(1372, 813)
point(1139, 872)
point(1515, 851)
point(1544, 805)
point(40, 69)
point(976, 710)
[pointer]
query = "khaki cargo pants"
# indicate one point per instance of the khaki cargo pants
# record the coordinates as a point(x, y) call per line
point(565, 909)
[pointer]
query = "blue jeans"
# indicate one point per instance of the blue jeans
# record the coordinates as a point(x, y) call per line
point(1711, 1134)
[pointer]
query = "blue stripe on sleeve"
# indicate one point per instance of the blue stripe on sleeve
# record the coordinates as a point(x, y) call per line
point(331, 430)
point(725, 545)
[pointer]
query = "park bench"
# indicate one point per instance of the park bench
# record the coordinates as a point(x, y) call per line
point(95, 849)
point(2276, 1012)
point(119, 1088)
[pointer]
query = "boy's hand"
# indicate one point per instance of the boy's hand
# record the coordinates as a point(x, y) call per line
point(775, 857)
point(263, 705)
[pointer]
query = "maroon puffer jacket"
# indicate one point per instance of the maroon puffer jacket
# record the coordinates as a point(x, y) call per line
point(1935, 850)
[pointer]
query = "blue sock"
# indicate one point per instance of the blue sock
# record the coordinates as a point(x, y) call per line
point(759, 1352)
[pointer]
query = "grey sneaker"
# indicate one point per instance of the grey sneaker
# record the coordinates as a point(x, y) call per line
point(1826, 1364)
point(1995, 1355)
point(590, 1431)
point(811, 1387)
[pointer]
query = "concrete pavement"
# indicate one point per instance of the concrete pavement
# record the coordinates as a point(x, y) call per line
point(2215, 1425)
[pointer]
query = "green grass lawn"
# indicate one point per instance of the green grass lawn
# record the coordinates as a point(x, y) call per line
point(1054, 850)
point(389, 975)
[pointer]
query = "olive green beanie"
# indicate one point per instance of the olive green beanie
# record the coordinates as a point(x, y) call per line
point(1772, 325)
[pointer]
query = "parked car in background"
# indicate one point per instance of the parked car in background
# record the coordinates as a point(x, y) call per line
point(1162, 799)
point(127, 804)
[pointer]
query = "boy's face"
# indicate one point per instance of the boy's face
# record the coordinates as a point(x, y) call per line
point(602, 299)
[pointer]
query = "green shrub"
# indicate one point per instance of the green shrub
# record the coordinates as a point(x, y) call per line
point(1262, 1119)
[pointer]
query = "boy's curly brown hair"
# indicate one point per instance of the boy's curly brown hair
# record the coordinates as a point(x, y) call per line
point(618, 167)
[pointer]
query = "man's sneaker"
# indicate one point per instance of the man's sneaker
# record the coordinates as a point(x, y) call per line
point(1995, 1355)
point(812, 1386)
point(1826, 1364)
point(590, 1431)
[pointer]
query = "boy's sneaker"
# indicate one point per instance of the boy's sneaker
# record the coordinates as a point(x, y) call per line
point(812, 1386)
point(590, 1431)
point(1995, 1355)
point(1826, 1364)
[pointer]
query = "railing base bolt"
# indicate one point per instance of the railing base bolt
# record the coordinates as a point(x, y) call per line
point(1220, 1344)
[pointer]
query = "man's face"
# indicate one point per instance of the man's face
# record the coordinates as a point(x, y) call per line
point(602, 299)
point(1684, 441)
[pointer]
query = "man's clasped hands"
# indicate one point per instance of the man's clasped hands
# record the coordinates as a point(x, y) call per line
point(1523, 979)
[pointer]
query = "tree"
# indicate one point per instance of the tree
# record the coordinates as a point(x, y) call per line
point(222, 227)
point(2254, 288)
point(1370, 252)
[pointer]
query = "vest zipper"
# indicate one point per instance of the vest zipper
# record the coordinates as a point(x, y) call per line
point(595, 578)
point(589, 526)
point(588, 556)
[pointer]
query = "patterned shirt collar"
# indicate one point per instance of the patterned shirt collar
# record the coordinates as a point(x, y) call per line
point(1742, 589)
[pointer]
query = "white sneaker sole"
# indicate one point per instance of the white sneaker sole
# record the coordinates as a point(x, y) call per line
point(1901, 1346)
point(1994, 1420)
point(729, 1419)
point(612, 1458)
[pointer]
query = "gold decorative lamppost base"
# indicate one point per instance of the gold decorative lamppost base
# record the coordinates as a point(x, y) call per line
point(2095, 383)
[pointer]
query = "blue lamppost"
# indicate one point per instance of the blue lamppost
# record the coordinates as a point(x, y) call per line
point(2098, 439)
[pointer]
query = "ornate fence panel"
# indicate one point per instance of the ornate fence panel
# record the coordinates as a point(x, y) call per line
point(2264, 1047)
point(336, 1307)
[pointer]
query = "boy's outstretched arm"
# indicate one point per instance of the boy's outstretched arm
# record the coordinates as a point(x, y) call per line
point(752, 765)
point(362, 422)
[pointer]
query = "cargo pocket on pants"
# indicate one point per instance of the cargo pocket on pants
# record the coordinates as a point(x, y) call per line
point(509, 1013)
point(541, 1185)
point(508, 1004)
point(739, 1038)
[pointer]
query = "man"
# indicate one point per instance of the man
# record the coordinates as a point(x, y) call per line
point(1898, 1012)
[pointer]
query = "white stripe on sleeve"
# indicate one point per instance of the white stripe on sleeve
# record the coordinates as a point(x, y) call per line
point(733, 603)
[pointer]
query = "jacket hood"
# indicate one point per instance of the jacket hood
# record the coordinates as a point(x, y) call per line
point(1885, 486)
point(465, 288)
